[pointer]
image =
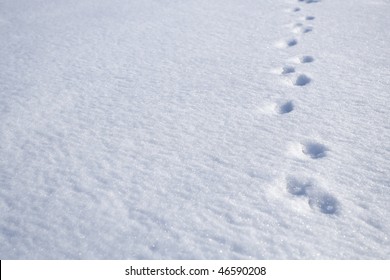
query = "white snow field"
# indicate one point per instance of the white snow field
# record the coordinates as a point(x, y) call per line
point(194, 129)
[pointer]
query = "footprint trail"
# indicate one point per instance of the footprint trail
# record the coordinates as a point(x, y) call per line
point(306, 188)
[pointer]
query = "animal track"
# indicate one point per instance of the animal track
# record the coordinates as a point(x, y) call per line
point(306, 59)
point(293, 25)
point(286, 107)
point(309, 1)
point(287, 70)
point(302, 59)
point(325, 203)
point(314, 150)
point(317, 199)
point(283, 44)
point(301, 80)
point(302, 29)
point(297, 187)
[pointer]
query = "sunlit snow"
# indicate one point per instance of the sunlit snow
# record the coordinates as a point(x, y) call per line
point(224, 129)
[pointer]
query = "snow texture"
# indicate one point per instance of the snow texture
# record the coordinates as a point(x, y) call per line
point(201, 129)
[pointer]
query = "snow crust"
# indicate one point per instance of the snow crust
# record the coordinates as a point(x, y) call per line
point(200, 129)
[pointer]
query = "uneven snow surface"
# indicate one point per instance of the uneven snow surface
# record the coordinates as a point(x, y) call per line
point(243, 129)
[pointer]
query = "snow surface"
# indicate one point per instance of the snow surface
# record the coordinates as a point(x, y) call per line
point(224, 129)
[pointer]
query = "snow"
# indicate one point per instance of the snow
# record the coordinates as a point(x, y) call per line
point(201, 129)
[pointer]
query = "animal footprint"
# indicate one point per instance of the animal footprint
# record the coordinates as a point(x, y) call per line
point(325, 203)
point(309, 18)
point(309, 1)
point(314, 150)
point(317, 199)
point(306, 59)
point(297, 187)
point(302, 29)
point(293, 25)
point(301, 80)
point(283, 44)
point(286, 107)
point(302, 59)
point(287, 70)
point(283, 70)
point(292, 10)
